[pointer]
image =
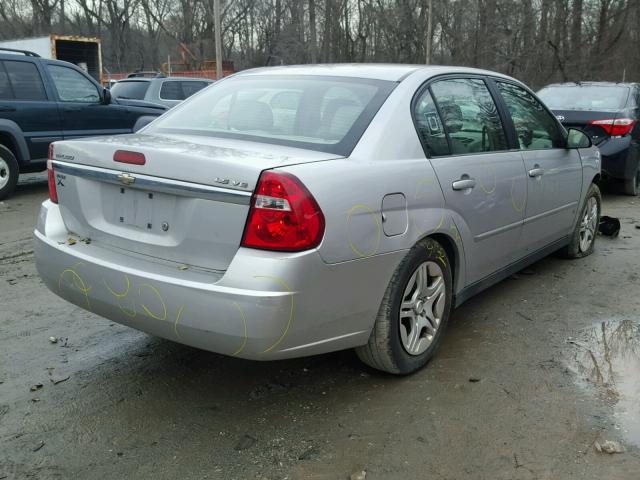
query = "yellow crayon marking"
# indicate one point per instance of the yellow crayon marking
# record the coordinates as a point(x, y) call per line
point(78, 282)
point(244, 322)
point(144, 307)
point(129, 313)
point(178, 316)
point(495, 180)
point(118, 294)
point(517, 208)
point(286, 330)
point(378, 230)
point(456, 234)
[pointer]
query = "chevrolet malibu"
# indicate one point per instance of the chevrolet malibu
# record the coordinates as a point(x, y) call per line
point(293, 211)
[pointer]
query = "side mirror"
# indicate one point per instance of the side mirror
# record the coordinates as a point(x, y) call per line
point(578, 139)
point(106, 96)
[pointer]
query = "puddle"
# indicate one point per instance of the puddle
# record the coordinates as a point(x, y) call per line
point(608, 356)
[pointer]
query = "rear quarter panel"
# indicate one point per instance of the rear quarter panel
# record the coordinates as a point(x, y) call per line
point(388, 160)
point(591, 166)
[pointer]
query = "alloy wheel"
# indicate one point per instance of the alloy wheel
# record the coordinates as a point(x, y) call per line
point(422, 308)
point(4, 173)
point(588, 225)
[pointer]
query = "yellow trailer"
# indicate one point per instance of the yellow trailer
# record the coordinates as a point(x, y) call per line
point(86, 52)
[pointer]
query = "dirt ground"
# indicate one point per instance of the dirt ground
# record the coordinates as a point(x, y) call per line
point(532, 375)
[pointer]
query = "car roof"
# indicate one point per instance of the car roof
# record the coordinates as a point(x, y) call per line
point(188, 79)
point(151, 79)
point(592, 84)
point(135, 80)
point(375, 71)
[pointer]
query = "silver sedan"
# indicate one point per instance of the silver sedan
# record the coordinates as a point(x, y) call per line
point(293, 211)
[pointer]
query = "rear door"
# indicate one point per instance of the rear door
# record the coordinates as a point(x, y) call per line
point(189, 87)
point(483, 182)
point(554, 173)
point(24, 100)
point(171, 92)
point(82, 111)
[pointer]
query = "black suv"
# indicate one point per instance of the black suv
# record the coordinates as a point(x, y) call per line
point(43, 100)
point(610, 114)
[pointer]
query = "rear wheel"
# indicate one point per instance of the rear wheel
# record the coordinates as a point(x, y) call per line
point(584, 235)
point(632, 185)
point(414, 312)
point(8, 172)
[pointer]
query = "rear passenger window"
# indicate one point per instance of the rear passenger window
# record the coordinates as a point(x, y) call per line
point(25, 80)
point(430, 126)
point(171, 91)
point(469, 115)
point(535, 127)
point(5, 87)
point(189, 88)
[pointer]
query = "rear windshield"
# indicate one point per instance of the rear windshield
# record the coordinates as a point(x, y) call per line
point(132, 89)
point(585, 97)
point(327, 114)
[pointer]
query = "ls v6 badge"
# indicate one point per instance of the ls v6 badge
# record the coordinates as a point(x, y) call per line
point(227, 181)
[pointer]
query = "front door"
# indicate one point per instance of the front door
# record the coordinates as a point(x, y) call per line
point(483, 182)
point(25, 101)
point(81, 109)
point(554, 173)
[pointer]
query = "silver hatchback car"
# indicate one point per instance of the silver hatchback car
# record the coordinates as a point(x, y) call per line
point(293, 211)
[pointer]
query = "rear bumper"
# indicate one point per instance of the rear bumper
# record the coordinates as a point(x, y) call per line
point(619, 158)
point(265, 306)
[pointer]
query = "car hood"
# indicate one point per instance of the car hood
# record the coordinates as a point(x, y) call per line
point(140, 103)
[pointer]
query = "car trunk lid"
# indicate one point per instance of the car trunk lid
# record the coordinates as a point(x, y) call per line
point(583, 119)
point(187, 203)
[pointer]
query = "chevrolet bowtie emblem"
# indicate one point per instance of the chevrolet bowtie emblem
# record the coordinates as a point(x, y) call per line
point(126, 179)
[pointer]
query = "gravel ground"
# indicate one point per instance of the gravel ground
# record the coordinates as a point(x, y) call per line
point(533, 375)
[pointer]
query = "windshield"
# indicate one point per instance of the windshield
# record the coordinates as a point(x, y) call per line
point(585, 97)
point(327, 114)
point(132, 89)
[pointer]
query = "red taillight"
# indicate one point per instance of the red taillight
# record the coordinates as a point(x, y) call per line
point(615, 127)
point(284, 216)
point(133, 158)
point(53, 192)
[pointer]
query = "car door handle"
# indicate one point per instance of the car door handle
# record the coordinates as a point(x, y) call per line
point(7, 108)
point(536, 172)
point(72, 109)
point(463, 183)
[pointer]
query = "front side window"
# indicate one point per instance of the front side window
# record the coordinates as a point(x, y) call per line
point(429, 125)
point(171, 90)
point(25, 80)
point(536, 128)
point(469, 115)
point(189, 88)
point(327, 114)
point(72, 86)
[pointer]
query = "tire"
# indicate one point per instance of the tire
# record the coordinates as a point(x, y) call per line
point(9, 171)
point(578, 248)
point(631, 186)
point(391, 342)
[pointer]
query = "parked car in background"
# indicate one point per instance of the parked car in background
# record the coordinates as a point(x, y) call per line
point(609, 113)
point(168, 91)
point(291, 211)
point(44, 100)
